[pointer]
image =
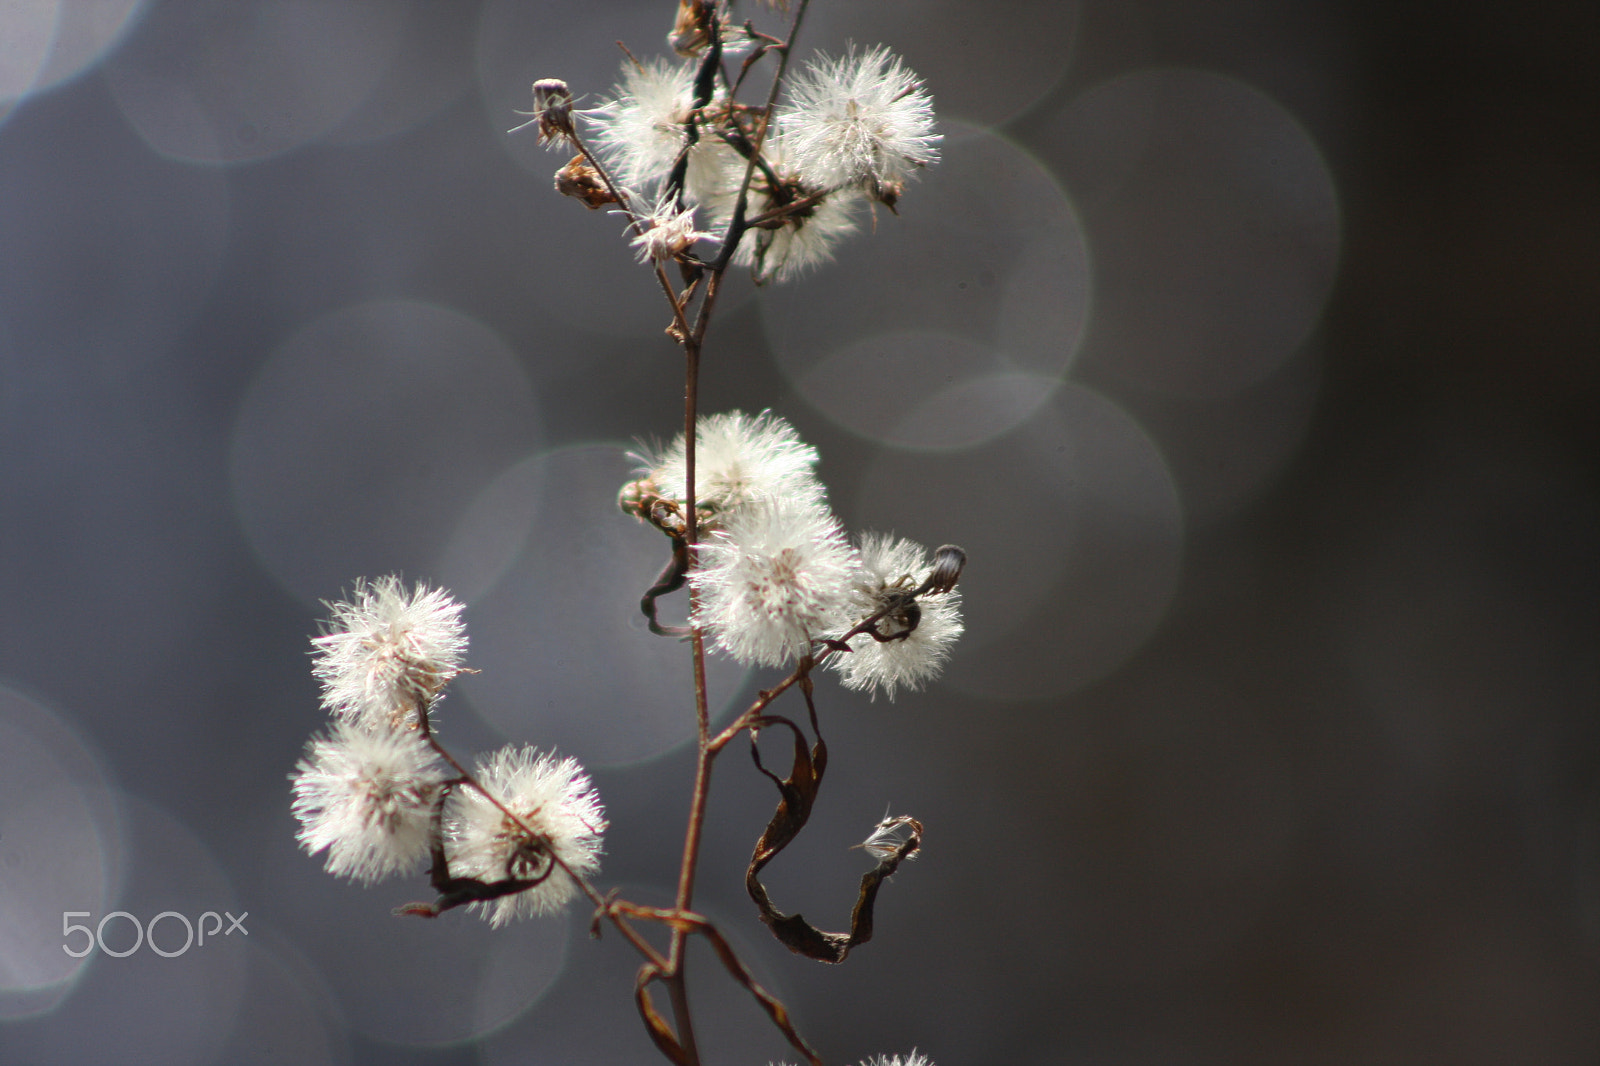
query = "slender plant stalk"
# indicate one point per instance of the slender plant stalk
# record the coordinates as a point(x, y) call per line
point(705, 752)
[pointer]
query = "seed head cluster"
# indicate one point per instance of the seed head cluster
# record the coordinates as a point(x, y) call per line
point(852, 130)
point(374, 793)
point(777, 577)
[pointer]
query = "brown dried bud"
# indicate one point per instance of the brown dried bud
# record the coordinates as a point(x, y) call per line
point(887, 193)
point(552, 109)
point(634, 497)
point(948, 562)
point(578, 179)
point(691, 32)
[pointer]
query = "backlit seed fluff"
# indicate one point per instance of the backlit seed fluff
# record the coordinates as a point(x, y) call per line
point(554, 798)
point(802, 241)
point(739, 458)
point(667, 233)
point(913, 1059)
point(860, 118)
point(367, 797)
point(388, 650)
point(890, 569)
point(802, 223)
point(775, 578)
point(640, 130)
point(889, 836)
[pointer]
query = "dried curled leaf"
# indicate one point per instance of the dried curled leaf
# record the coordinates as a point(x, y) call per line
point(797, 793)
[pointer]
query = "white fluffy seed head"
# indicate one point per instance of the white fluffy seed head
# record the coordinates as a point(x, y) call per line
point(739, 459)
point(859, 118)
point(775, 578)
point(800, 240)
point(890, 568)
point(551, 796)
point(386, 651)
point(668, 233)
point(640, 130)
point(367, 797)
point(803, 241)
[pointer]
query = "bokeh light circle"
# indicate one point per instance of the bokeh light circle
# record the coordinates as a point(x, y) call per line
point(44, 43)
point(494, 529)
point(424, 983)
point(397, 979)
point(174, 1006)
point(60, 839)
point(983, 283)
point(1215, 224)
point(364, 437)
point(249, 79)
point(27, 30)
point(566, 659)
point(1079, 514)
point(288, 1012)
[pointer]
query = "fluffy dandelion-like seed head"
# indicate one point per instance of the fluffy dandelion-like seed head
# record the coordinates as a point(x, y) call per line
point(387, 651)
point(668, 234)
point(794, 224)
point(801, 240)
point(554, 799)
point(640, 130)
point(367, 797)
point(861, 118)
point(739, 459)
point(776, 577)
point(920, 629)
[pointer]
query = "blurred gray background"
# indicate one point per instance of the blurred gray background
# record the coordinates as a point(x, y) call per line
point(1249, 348)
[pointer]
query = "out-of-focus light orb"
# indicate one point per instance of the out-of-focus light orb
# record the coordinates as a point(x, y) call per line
point(565, 657)
point(26, 30)
point(421, 982)
point(60, 840)
point(288, 1012)
point(494, 528)
point(952, 324)
point(1215, 225)
point(365, 436)
point(149, 987)
point(44, 43)
point(393, 978)
point(1074, 537)
point(249, 79)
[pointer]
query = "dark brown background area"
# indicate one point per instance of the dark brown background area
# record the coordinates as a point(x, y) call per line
point(1325, 786)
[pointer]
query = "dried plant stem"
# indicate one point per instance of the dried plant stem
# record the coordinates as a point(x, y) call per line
point(736, 225)
point(635, 223)
point(680, 1046)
